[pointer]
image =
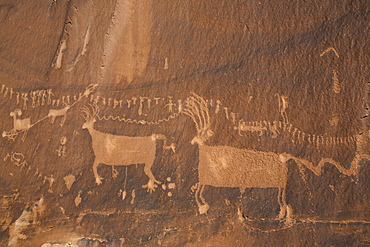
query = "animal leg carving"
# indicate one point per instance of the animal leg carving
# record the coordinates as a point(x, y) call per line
point(98, 179)
point(151, 185)
point(165, 146)
point(289, 216)
point(63, 120)
point(282, 203)
point(203, 207)
point(24, 135)
point(286, 211)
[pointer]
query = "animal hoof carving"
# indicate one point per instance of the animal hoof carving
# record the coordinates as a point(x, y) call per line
point(289, 221)
point(289, 216)
point(98, 181)
point(151, 185)
point(203, 209)
point(282, 213)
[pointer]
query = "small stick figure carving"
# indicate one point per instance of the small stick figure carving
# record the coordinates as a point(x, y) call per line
point(283, 105)
point(50, 95)
point(170, 104)
point(218, 102)
point(62, 148)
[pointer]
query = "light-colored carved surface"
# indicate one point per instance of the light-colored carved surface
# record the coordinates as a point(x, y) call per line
point(184, 123)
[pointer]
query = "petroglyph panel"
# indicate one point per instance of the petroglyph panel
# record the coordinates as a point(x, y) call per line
point(184, 123)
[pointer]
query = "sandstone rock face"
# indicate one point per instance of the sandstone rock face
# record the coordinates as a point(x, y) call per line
point(184, 123)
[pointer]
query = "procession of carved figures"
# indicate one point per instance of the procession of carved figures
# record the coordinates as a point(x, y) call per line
point(218, 166)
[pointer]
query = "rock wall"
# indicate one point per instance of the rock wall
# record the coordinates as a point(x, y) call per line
point(184, 123)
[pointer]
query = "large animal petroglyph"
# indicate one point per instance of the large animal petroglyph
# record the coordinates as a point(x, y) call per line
point(118, 150)
point(225, 166)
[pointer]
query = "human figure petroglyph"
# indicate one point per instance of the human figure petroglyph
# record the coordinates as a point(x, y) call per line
point(283, 105)
point(170, 104)
point(11, 92)
point(43, 95)
point(129, 103)
point(156, 99)
point(62, 148)
point(140, 110)
point(17, 97)
point(115, 103)
point(6, 91)
point(218, 106)
point(134, 100)
point(50, 95)
point(225, 166)
point(117, 150)
point(33, 97)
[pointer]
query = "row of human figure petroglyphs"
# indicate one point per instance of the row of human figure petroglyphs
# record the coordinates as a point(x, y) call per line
point(219, 166)
point(138, 104)
point(22, 125)
point(274, 127)
point(46, 97)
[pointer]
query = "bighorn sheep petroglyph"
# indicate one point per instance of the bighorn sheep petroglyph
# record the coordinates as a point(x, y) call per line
point(119, 150)
point(19, 124)
point(225, 166)
point(54, 113)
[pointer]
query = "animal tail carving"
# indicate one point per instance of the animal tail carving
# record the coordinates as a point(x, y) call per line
point(165, 146)
point(315, 169)
point(318, 169)
point(158, 137)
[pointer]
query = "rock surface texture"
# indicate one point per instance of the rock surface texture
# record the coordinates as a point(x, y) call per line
point(184, 123)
